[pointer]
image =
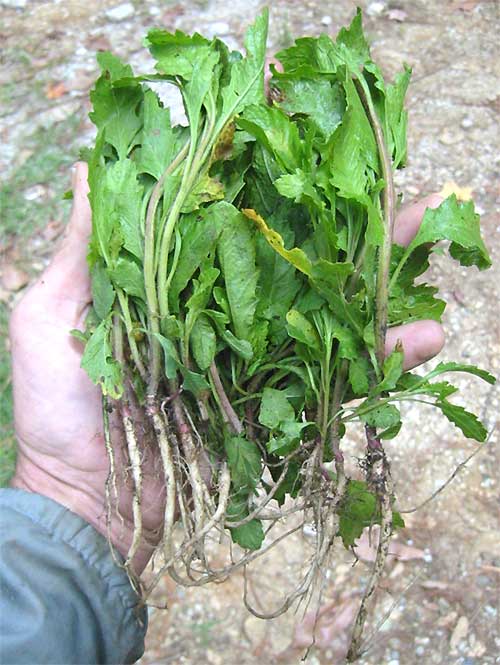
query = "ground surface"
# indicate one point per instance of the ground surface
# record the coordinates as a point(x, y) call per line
point(449, 614)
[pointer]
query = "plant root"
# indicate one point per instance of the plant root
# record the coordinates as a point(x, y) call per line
point(379, 479)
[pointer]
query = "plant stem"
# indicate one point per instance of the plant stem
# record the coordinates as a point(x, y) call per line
point(149, 273)
point(227, 410)
point(389, 209)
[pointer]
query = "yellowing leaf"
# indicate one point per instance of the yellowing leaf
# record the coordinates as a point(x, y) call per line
point(295, 256)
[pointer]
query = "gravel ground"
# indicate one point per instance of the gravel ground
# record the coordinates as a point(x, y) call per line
point(446, 583)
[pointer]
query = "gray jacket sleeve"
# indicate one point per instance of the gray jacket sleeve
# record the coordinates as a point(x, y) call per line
point(62, 598)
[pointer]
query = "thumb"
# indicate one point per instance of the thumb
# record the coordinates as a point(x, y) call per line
point(67, 277)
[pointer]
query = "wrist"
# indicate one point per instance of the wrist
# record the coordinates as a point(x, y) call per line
point(61, 485)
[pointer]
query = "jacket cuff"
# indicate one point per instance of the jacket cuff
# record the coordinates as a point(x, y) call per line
point(64, 599)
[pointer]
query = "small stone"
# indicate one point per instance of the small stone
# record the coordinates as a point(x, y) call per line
point(483, 580)
point(467, 122)
point(121, 12)
point(449, 137)
point(217, 29)
point(459, 633)
point(326, 20)
point(375, 8)
point(397, 15)
point(34, 193)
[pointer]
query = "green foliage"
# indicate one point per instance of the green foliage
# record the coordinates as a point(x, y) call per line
point(238, 257)
point(360, 510)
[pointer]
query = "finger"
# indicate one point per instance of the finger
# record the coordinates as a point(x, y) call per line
point(67, 275)
point(421, 341)
point(410, 217)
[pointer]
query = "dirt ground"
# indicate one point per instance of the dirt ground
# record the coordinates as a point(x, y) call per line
point(444, 577)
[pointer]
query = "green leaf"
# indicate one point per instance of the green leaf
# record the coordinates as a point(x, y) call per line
point(177, 54)
point(278, 282)
point(458, 223)
point(320, 99)
point(358, 511)
point(392, 370)
point(359, 371)
point(382, 417)
point(291, 434)
point(236, 251)
point(203, 342)
point(470, 425)
point(276, 133)
point(246, 82)
point(192, 381)
point(116, 199)
point(415, 303)
point(113, 66)
point(250, 536)
point(127, 275)
point(103, 294)
point(205, 190)
point(98, 362)
point(298, 186)
point(199, 234)
point(328, 276)
point(441, 368)
point(348, 343)
point(354, 149)
point(302, 330)
point(240, 346)
point(244, 462)
point(275, 408)
point(351, 45)
point(160, 143)
point(115, 112)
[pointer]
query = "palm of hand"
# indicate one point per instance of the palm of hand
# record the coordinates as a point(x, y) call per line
point(57, 409)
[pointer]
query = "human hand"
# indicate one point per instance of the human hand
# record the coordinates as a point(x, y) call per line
point(57, 409)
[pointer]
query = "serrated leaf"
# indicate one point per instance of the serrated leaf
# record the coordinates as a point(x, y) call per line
point(98, 362)
point(127, 275)
point(250, 536)
point(160, 143)
point(469, 423)
point(244, 462)
point(275, 408)
point(291, 434)
point(392, 370)
point(441, 368)
point(241, 347)
point(236, 251)
point(382, 417)
point(276, 133)
point(115, 112)
point(203, 342)
point(199, 234)
point(192, 381)
point(103, 294)
point(302, 330)
point(359, 372)
point(458, 223)
point(320, 99)
point(358, 511)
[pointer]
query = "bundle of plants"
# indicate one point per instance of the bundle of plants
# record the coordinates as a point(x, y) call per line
point(244, 277)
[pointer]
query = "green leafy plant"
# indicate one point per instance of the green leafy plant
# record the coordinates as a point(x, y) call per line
point(244, 276)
